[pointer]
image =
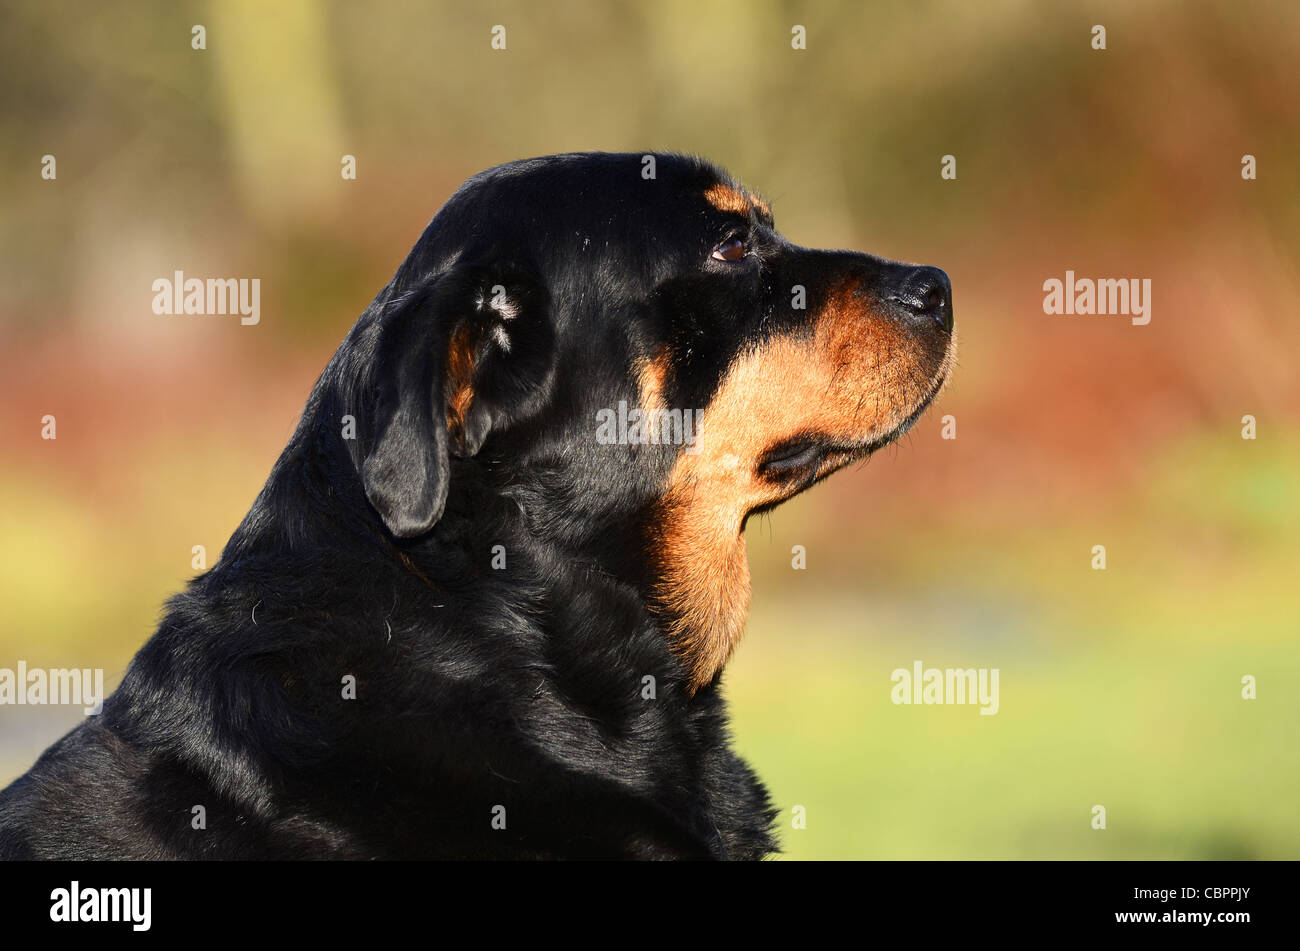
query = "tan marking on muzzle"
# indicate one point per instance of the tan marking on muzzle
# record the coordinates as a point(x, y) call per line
point(856, 377)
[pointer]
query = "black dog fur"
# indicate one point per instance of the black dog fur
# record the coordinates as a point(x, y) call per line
point(482, 692)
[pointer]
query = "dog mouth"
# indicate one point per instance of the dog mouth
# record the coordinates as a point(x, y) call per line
point(902, 428)
point(798, 462)
point(937, 384)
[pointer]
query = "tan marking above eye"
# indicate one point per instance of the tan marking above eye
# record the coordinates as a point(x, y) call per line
point(727, 198)
point(737, 201)
point(855, 378)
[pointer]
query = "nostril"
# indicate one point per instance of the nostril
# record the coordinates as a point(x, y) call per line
point(928, 293)
point(937, 297)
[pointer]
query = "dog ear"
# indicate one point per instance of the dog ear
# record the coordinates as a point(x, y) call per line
point(443, 367)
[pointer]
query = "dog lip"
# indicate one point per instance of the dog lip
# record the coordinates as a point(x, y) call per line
point(792, 455)
point(866, 449)
point(800, 457)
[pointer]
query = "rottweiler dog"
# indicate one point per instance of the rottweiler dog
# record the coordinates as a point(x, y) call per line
point(482, 605)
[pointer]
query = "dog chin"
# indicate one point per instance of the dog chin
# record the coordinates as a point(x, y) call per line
point(939, 381)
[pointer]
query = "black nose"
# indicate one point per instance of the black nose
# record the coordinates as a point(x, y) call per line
point(927, 292)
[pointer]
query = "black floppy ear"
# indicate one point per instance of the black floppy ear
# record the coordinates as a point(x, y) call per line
point(436, 370)
point(393, 366)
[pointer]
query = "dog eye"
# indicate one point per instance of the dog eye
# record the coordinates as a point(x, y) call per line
point(733, 249)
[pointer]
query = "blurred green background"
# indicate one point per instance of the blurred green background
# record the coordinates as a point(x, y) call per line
point(1119, 687)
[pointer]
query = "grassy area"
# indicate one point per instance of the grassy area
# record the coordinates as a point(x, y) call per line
point(1120, 688)
point(1161, 738)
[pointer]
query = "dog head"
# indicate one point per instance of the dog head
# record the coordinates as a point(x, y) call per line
point(626, 347)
